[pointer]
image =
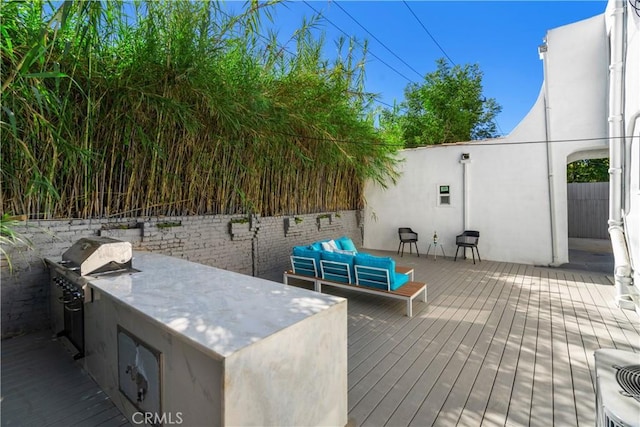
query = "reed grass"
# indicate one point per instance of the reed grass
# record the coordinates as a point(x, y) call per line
point(178, 108)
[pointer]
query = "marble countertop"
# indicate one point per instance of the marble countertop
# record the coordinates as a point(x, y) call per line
point(219, 310)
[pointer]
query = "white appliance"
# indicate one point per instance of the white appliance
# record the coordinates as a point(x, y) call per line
point(617, 388)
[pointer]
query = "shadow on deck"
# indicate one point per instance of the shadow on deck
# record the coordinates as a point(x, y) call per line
point(43, 386)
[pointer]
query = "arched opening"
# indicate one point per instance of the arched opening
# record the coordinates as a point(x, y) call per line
point(588, 211)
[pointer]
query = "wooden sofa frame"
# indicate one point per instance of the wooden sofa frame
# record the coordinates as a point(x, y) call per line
point(304, 268)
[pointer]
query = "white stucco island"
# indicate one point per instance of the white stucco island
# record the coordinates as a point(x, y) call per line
point(221, 348)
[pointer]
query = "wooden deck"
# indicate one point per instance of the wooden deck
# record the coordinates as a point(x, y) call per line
point(43, 386)
point(497, 344)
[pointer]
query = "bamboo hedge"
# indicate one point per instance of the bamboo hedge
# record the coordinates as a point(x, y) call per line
point(178, 108)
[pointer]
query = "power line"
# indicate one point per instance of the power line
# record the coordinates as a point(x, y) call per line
point(429, 33)
point(379, 101)
point(282, 47)
point(487, 142)
point(495, 121)
point(378, 40)
point(359, 44)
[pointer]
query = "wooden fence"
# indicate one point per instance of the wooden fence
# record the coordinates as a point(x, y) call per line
point(588, 209)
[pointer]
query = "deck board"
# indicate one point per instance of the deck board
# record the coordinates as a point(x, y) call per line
point(477, 400)
point(42, 385)
point(444, 405)
point(520, 400)
point(541, 411)
point(501, 391)
point(564, 409)
point(619, 325)
point(396, 357)
point(578, 356)
point(497, 344)
point(411, 389)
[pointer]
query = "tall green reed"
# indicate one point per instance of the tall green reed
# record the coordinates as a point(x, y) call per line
point(162, 108)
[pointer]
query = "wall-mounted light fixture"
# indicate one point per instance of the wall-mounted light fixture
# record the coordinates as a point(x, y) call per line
point(542, 49)
point(464, 156)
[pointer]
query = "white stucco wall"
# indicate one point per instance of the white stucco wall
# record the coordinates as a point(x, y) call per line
point(511, 180)
point(632, 127)
point(507, 201)
point(576, 83)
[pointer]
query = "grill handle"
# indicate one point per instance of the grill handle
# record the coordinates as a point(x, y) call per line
point(66, 307)
point(62, 300)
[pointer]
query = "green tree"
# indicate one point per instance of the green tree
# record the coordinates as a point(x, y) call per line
point(588, 170)
point(390, 126)
point(447, 107)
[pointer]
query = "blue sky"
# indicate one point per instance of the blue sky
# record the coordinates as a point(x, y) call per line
point(501, 36)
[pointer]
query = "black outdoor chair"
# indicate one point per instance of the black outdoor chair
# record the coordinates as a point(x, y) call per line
point(409, 236)
point(468, 239)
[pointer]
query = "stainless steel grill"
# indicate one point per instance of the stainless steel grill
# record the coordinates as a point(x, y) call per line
point(88, 258)
point(96, 255)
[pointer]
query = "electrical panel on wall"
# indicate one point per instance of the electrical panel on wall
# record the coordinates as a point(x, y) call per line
point(444, 195)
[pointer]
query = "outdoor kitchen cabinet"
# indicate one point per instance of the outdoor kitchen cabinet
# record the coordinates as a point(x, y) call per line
point(216, 347)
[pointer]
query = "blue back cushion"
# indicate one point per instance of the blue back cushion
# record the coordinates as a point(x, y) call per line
point(309, 253)
point(395, 280)
point(346, 244)
point(317, 246)
point(375, 261)
point(344, 258)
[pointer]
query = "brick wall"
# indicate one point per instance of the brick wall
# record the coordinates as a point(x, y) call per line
point(258, 246)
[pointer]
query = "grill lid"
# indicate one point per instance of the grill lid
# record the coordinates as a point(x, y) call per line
point(99, 254)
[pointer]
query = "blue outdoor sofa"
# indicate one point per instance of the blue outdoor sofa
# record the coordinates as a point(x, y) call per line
point(339, 264)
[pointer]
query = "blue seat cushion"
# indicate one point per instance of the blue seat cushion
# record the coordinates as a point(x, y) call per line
point(344, 258)
point(396, 280)
point(346, 244)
